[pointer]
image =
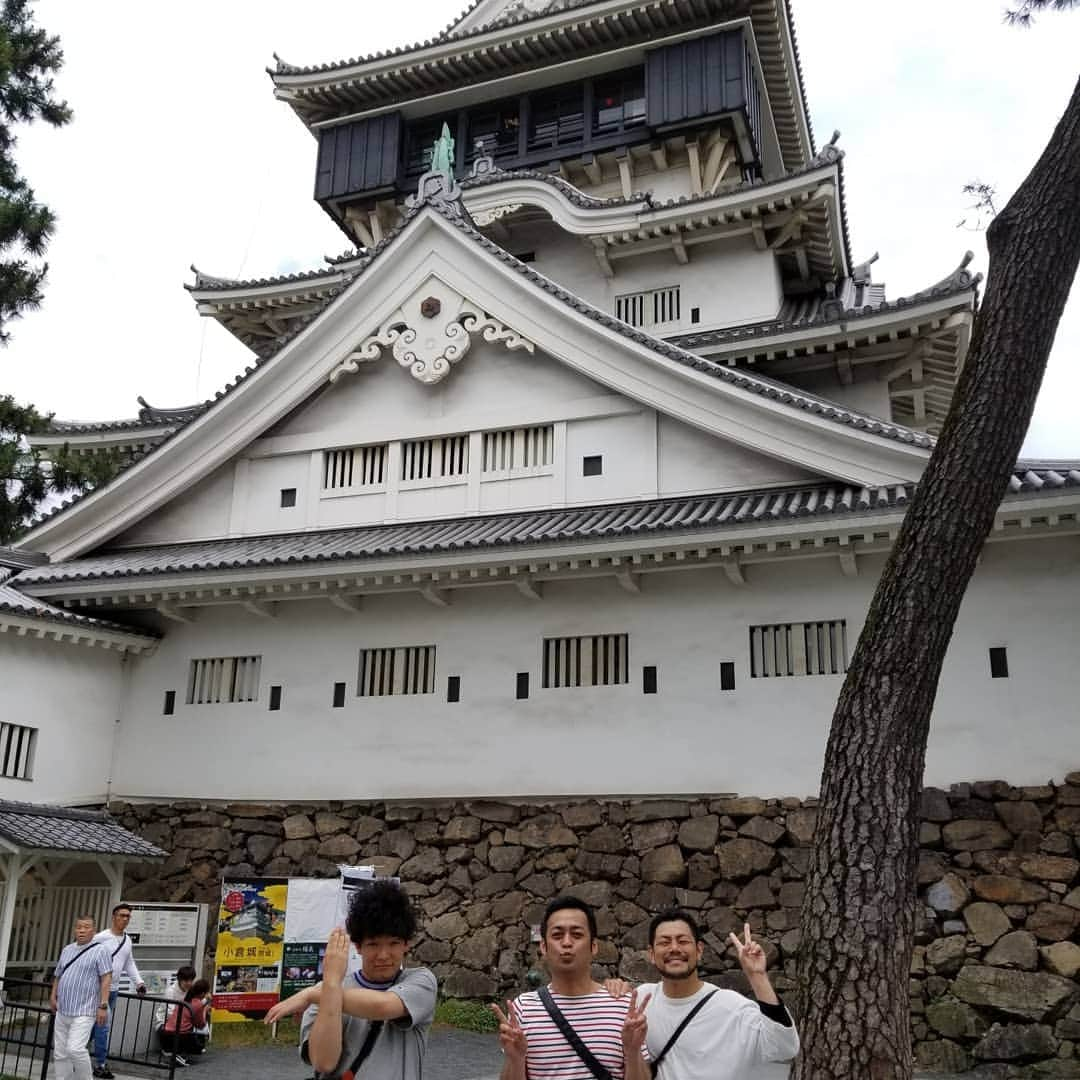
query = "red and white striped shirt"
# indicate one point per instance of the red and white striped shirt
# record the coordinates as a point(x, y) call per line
point(598, 1020)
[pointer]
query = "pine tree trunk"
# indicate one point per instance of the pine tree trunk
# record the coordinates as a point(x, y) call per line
point(858, 915)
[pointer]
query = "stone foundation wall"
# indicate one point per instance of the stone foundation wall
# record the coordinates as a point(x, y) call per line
point(994, 974)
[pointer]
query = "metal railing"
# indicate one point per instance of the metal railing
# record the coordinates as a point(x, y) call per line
point(27, 1022)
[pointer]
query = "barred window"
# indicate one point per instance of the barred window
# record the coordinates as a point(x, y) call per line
point(812, 648)
point(595, 660)
point(359, 466)
point(519, 448)
point(17, 745)
point(425, 459)
point(654, 307)
point(408, 669)
point(223, 680)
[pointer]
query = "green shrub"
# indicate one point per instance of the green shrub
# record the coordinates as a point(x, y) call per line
point(466, 1015)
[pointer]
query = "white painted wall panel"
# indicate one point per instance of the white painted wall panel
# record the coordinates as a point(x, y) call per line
point(201, 511)
point(766, 737)
point(72, 695)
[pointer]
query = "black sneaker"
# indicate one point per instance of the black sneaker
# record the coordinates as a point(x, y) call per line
point(103, 1072)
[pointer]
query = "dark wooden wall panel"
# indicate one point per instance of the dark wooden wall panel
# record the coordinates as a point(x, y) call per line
point(357, 157)
point(696, 78)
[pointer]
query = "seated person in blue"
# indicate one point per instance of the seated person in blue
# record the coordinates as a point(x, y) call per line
point(374, 1023)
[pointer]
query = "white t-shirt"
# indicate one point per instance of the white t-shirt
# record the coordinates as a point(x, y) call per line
point(729, 1039)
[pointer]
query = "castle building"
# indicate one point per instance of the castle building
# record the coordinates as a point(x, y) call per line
point(574, 476)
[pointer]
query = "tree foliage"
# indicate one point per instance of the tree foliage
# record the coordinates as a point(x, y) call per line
point(29, 480)
point(29, 58)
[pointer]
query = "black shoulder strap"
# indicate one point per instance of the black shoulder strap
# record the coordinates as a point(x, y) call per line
point(654, 1065)
point(118, 947)
point(374, 1027)
point(572, 1037)
point(84, 949)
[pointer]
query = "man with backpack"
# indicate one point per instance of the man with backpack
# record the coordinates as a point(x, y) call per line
point(117, 943)
point(79, 994)
point(573, 1029)
point(697, 1032)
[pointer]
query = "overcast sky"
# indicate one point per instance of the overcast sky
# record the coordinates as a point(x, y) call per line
point(180, 154)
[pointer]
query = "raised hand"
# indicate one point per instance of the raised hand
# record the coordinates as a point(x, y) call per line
point(512, 1037)
point(750, 953)
point(635, 1026)
point(617, 988)
point(336, 960)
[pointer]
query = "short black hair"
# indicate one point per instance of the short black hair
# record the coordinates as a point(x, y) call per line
point(122, 907)
point(571, 903)
point(378, 910)
point(674, 915)
point(186, 974)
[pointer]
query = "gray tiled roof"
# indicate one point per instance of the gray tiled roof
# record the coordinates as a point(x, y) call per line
point(14, 602)
point(149, 417)
point(61, 829)
point(541, 527)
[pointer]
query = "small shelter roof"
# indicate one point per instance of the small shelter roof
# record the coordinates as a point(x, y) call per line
point(58, 829)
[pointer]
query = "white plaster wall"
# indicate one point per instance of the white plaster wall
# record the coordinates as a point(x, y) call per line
point(766, 737)
point(72, 695)
point(627, 447)
point(867, 393)
point(203, 510)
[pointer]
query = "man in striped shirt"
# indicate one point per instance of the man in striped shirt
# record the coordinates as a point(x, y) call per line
point(612, 1029)
point(80, 993)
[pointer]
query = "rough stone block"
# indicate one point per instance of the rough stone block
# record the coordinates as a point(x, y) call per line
point(1053, 922)
point(1003, 889)
point(1012, 1042)
point(651, 834)
point(664, 865)
point(971, 834)
point(506, 857)
point(949, 895)
point(744, 858)
point(946, 955)
point(700, 833)
point(1019, 817)
point(955, 1019)
point(1049, 868)
point(1025, 995)
point(1062, 958)
point(655, 809)
point(986, 922)
point(1014, 950)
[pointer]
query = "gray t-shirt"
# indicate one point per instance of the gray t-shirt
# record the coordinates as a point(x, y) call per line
point(398, 1053)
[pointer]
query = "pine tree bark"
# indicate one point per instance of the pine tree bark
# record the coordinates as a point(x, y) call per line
point(859, 910)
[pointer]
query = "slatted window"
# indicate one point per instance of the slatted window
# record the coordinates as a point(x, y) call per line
point(223, 680)
point(519, 448)
point(17, 745)
point(359, 466)
point(409, 669)
point(595, 660)
point(427, 459)
point(655, 307)
point(812, 648)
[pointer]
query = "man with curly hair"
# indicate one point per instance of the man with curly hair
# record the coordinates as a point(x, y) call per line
point(375, 1022)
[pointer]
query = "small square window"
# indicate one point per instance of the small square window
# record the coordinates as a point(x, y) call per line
point(339, 695)
point(695, 314)
point(522, 685)
point(999, 662)
point(648, 679)
point(593, 465)
point(170, 703)
point(275, 698)
point(727, 675)
point(288, 498)
point(453, 688)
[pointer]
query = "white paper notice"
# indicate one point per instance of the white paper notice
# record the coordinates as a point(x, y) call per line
point(311, 908)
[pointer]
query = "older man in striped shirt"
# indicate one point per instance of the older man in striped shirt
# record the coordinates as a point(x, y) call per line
point(80, 993)
point(574, 1029)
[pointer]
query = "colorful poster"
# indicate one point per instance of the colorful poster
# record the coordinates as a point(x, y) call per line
point(250, 932)
point(301, 966)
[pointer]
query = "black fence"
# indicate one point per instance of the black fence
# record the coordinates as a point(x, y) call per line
point(27, 1023)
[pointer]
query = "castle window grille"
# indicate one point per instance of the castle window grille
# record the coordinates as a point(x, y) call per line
point(788, 649)
point(592, 660)
point(223, 680)
point(17, 745)
point(650, 309)
point(519, 448)
point(408, 669)
point(359, 466)
point(428, 459)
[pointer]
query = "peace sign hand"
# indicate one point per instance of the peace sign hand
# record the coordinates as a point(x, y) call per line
point(750, 953)
point(635, 1026)
point(512, 1038)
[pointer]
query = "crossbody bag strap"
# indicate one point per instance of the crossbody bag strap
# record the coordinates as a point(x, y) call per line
point(654, 1065)
point(572, 1037)
point(374, 1027)
point(82, 951)
point(123, 940)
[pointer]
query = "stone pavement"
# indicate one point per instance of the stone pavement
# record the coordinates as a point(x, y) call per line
point(452, 1055)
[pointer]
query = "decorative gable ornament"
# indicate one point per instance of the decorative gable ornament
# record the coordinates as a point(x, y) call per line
point(430, 333)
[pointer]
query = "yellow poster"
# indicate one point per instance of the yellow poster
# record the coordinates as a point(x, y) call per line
point(250, 932)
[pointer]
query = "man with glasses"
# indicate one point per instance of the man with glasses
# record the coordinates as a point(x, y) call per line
point(117, 944)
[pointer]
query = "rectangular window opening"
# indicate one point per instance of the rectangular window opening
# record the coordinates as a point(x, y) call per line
point(275, 698)
point(594, 660)
point(170, 703)
point(17, 746)
point(288, 498)
point(355, 467)
point(388, 672)
point(790, 649)
point(648, 679)
point(428, 459)
point(223, 680)
point(695, 315)
point(593, 465)
point(453, 688)
point(650, 309)
point(999, 662)
point(339, 695)
point(727, 675)
point(519, 448)
point(522, 688)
